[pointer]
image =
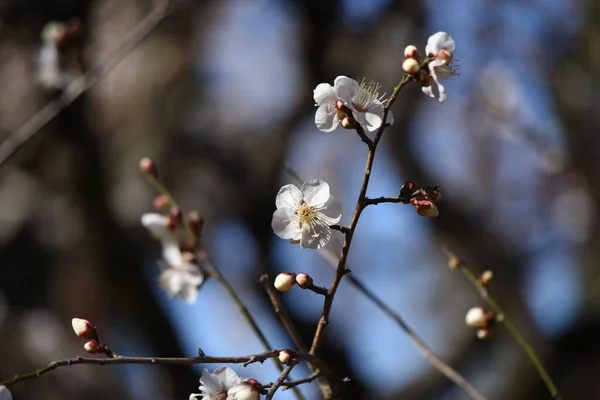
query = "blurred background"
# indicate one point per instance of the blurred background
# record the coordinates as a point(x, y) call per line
point(220, 95)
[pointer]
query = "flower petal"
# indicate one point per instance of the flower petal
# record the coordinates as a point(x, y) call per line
point(332, 212)
point(439, 41)
point(288, 196)
point(432, 71)
point(316, 237)
point(326, 118)
point(209, 383)
point(315, 192)
point(324, 93)
point(285, 224)
point(373, 117)
point(428, 91)
point(228, 377)
point(171, 252)
point(157, 225)
point(5, 393)
point(346, 88)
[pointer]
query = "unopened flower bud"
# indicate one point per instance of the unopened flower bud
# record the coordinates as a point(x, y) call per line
point(83, 328)
point(161, 201)
point(410, 66)
point(407, 189)
point(433, 194)
point(284, 356)
point(285, 281)
point(195, 223)
point(477, 317)
point(93, 347)
point(304, 280)
point(484, 333)
point(411, 51)
point(349, 123)
point(426, 208)
point(148, 167)
point(486, 277)
point(444, 55)
point(453, 261)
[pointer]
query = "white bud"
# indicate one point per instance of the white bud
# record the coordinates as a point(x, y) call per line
point(304, 280)
point(285, 281)
point(477, 317)
point(249, 390)
point(83, 328)
point(410, 66)
point(484, 333)
point(284, 356)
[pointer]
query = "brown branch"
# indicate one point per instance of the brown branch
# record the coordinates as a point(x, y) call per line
point(360, 206)
point(75, 89)
point(277, 384)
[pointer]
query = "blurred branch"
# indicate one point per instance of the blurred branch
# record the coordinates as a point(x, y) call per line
point(77, 87)
point(284, 374)
point(500, 316)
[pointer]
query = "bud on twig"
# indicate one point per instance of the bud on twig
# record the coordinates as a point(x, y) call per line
point(304, 280)
point(349, 123)
point(477, 317)
point(407, 189)
point(284, 356)
point(484, 333)
point(93, 347)
point(285, 281)
point(426, 208)
point(83, 328)
point(485, 278)
point(195, 223)
point(161, 201)
point(410, 66)
point(411, 51)
point(148, 167)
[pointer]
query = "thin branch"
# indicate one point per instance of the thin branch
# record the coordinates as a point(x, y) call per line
point(148, 360)
point(391, 199)
point(18, 138)
point(360, 206)
point(511, 328)
point(363, 136)
point(277, 384)
point(340, 228)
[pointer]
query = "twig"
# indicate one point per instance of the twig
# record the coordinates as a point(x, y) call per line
point(391, 199)
point(512, 329)
point(340, 228)
point(360, 206)
point(43, 117)
point(327, 388)
point(277, 384)
point(147, 360)
point(429, 355)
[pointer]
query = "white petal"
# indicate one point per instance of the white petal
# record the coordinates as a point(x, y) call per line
point(5, 393)
point(332, 213)
point(228, 377)
point(288, 196)
point(285, 224)
point(210, 383)
point(156, 224)
point(442, 90)
point(315, 192)
point(390, 118)
point(324, 93)
point(171, 252)
point(373, 117)
point(326, 118)
point(439, 41)
point(243, 391)
point(193, 396)
point(346, 88)
point(317, 237)
point(428, 91)
point(182, 283)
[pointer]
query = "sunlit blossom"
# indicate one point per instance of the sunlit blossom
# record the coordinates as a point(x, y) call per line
point(225, 384)
point(365, 101)
point(440, 49)
point(305, 215)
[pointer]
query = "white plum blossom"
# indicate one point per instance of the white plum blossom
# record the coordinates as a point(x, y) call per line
point(440, 48)
point(180, 277)
point(305, 215)
point(364, 100)
point(346, 95)
point(225, 384)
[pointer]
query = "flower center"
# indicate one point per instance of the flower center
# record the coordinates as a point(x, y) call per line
point(306, 214)
point(366, 94)
point(447, 71)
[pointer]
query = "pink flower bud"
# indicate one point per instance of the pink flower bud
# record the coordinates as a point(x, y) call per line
point(284, 356)
point(426, 208)
point(83, 328)
point(248, 390)
point(411, 51)
point(161, 201)
point(477, 317)
point(304, 280)
point(93, 347)
point(411, 66)
point(285, 281)
point(148, 167)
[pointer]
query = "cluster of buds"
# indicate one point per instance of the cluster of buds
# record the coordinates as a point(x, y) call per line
point(482, 320)
point(285, 281)
point(85, 330)
point(423, 199)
